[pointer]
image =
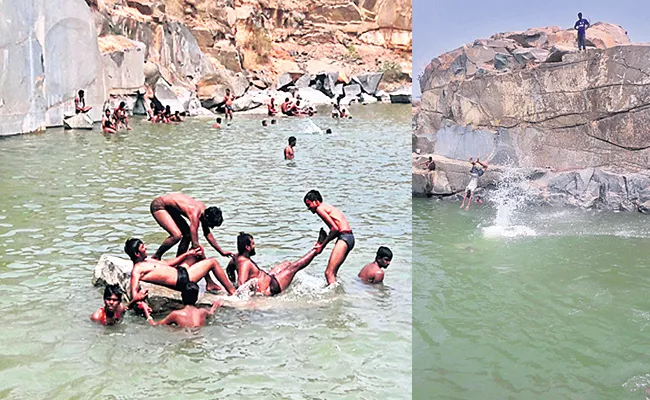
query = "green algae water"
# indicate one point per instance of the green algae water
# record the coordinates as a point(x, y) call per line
point(529, 303)
point(66, 198)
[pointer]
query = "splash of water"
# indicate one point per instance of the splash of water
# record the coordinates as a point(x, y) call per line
point(311, 127)
point(510, 196)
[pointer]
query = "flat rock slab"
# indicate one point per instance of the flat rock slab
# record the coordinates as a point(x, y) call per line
point(78, 121)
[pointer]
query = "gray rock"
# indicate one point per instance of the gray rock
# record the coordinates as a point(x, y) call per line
point(325, 82)
point(401, 96)
point(167, 97)
point(347, 100)
point(304, 81)
point(338, 90)
point(245, 103)
point(352, 90)
point(368, 99)
point(558, 52)
point(78, 121)
point(123, 63)
point(369, 82)
point(502, 61)
point(284, 81)
point(313, 96)
point(526, 55)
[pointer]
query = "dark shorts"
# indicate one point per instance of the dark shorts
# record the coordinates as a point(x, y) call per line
point(348, 238)
point(274, 286)
point(229, 108)
point(182, 280)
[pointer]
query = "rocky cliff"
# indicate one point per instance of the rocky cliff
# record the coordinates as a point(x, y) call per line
point(530, 100)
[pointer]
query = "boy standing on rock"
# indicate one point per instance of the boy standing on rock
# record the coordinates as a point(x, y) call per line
point(581, 26)
point(474, 173)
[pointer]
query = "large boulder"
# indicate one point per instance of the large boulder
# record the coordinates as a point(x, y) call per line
point(211, 89)
point(401, 96)
point(166, 95)
point(313, 96)
point(78, 121)
point(123, 63)
point(50, 52)
point(352, 90)
point(368, 82)
point(325, 82)
point(246, 103)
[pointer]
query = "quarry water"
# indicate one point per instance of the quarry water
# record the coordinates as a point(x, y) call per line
point(513, 302)
point(67, 197)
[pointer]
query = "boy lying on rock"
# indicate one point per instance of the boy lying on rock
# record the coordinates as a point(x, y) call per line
point(189, 316)
point(175, 273)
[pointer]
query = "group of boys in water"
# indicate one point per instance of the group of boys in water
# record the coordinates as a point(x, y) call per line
point(181, 216)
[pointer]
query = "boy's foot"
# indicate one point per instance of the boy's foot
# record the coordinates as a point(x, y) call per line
point(467, 208)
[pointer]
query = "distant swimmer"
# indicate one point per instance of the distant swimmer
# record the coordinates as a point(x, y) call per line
point(189, 316)
point(581, 26)
point(228, 99)
point(373, 272)
point(474, 173)
point(273, 121)
point(278, 279)
point(121, 116)
point(428, 164)
point(176, 117)
point(80, 103)
point(265, 122)
point(113, 308)
point(217, 125)
point(339, 229)
point(175, 273)
point(108, 126)
point(170, 211)
point(328, 131)
point(288, 151)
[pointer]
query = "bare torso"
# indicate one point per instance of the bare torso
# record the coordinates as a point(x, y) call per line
point(371, 273)
point(337, 217)
point(154, 271)
point(248, 267)
point(185, 204)
point(288, 153)
point(189, 317)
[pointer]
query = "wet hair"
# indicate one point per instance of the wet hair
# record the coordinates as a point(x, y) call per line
point(579, 15)
point(81, 93)
point(168, 108)
point(292, 139)
point(212, 216)
point(273, 121)
point(328, 130)
point(313, 195)
point(131, 247)
point(264, 123)
point(111, 290)
point(218, 120)
point(227, 90)
point(384, 252)
point(108, 110)
point(122, 104)
point(287, 99)
point(430, 158)
point(243, 240)
point(190, 294)
point(298, 102)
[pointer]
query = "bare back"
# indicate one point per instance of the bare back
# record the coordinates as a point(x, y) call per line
point(155, 271)
point(188, 317)
point(335, 215)
point(371, 273)
point(185, 204)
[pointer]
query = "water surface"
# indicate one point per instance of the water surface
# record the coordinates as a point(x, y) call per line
point(69, 197)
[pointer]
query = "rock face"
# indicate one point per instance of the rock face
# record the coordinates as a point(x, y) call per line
point(78, 121)
point(546, 107)
point(50, 53)
point(123, 63)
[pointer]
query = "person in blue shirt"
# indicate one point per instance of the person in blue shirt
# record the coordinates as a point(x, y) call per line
point(581, 26)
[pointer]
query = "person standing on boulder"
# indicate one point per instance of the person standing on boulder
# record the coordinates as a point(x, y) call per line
point(228, 99)
point(581, 26)
point(80, 103)
point(474, 173)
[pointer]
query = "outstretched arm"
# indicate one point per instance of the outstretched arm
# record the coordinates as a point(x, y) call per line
point(215, 304)
point(168, 320)
point(334, 228)
point(213, 242)
point(190, 253)
point(484, 165)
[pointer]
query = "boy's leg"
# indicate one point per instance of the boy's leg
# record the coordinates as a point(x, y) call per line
point(464, 197)
point(339, 254)
point(471, 194)
point(200, 270)
point(285, 271)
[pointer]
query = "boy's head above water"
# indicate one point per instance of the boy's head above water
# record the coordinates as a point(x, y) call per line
point(384, 257)
point(190, 294)
point(312, 200)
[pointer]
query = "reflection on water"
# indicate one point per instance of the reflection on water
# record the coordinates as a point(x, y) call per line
point(69, 197)
point(559, 315)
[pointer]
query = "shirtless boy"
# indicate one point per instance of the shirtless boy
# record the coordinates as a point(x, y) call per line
point(168, 210)
point(113, 308)
point(278, 278)
point(189, 316)
point(474, 174)
point(107, 122)
point(339, 229)
point(288, 151)
point(228, 99)
point(217, 124)
point(271, 108)
point(175, 273)
point(80, 103)
point(121, 116)
point(372, 273)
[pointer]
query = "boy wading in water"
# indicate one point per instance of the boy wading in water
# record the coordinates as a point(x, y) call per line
point(474, 173)
point(339, 229)
point(373, 273)
point(113, 308)
point(288, 151)
point(189, 316)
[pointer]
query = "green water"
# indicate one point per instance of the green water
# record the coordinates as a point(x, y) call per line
point(560, 311)
point(69, 197)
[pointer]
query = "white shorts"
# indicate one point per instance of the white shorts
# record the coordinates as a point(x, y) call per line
point(472, 185)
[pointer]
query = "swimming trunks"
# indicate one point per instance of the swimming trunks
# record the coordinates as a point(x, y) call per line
point(274, 285)
point(182, 280)
point(229, 108)
point(157, 205)
point(348, 238)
